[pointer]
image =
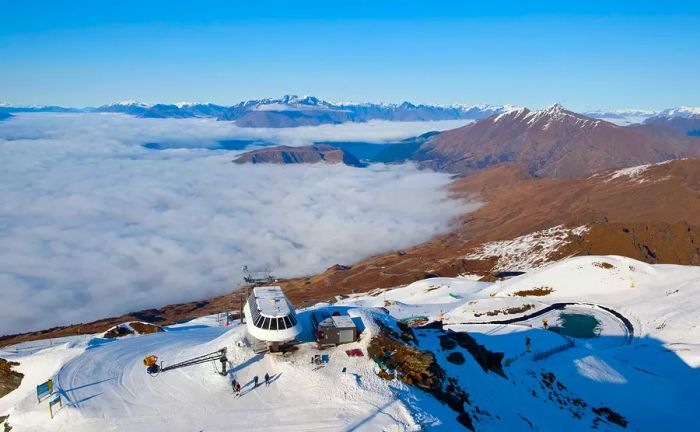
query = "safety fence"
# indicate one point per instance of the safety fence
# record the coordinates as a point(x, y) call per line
point(510, 360)
point(539, 355)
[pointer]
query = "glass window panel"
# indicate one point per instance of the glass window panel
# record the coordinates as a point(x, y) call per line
point(266, 324)
point(273, 324)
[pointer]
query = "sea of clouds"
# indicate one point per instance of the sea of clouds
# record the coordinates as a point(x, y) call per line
point(92, 224)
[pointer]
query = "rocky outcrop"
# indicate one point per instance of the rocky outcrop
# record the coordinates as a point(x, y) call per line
point(9, 378)
point(488, 360)
point(284, 155)
point(399, 359)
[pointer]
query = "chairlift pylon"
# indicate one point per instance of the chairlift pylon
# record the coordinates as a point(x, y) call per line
point(257, 277)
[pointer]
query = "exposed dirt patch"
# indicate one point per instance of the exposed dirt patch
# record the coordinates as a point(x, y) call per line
point(132, 328)
point(604, 265)
point(509, 311)
point(534, 292)
point(118, 331)
point(9, 379)
point(145, 328)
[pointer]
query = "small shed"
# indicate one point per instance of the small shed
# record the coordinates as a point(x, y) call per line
point(334, 330)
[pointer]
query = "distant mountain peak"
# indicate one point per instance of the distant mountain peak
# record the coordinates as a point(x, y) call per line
point(556, 108)
point(128, 103)
point(682, 111)
point(552, 142)
point(311, 154)
point(544, 118)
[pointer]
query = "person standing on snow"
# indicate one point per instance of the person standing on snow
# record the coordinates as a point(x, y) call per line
point(255, 381)
point(267, 379)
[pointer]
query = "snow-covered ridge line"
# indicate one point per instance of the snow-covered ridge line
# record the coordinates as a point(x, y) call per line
point(555, 113)
point(634, 172)
point(529, 251)
point(683, 111)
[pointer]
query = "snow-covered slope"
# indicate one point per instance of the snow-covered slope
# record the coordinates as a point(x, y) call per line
point(641, 364)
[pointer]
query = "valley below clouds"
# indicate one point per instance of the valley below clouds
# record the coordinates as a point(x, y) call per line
point(92, 224)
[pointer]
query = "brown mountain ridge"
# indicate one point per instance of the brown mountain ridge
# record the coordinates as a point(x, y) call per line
point(554, 142)
point(311, 154)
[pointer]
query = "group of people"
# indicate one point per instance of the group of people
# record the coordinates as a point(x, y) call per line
point(236, 386)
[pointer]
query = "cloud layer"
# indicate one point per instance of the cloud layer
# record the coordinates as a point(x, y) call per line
point(93, 225)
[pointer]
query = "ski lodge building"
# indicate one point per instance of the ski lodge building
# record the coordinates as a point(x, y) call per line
point(270, 317)
point(333, 329)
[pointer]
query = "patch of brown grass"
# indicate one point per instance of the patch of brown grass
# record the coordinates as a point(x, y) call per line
point(534, 292)
point(509, 311)
point(130, 328)
point(604, 265)
point(145, 328)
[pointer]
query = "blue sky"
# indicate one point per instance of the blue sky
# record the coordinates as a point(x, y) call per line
point(586, 55)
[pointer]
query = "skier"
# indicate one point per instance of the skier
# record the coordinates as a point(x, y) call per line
point(267, 379)
point(237, 389)
point(255, 381)
point(233, 385)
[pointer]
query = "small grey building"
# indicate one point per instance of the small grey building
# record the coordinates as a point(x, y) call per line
point(333, 329)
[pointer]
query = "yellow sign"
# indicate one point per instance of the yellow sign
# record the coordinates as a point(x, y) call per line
point(44, 389)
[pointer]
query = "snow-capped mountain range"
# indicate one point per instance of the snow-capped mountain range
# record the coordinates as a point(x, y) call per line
point(553, 142)
point(287, 111)
point(292, 110)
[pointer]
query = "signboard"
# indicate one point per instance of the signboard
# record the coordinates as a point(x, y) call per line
point(53, 403)
point(44, 389)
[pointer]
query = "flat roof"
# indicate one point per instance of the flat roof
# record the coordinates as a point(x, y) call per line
point(271, 301)
point(343, 321)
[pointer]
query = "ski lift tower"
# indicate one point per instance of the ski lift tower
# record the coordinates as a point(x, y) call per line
point(252, 279)
point(257, 277)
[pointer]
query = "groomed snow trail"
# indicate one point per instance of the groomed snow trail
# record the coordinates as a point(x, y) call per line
point(107, 388)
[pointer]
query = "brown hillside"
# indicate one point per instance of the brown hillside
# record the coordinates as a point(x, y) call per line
point(549, 143)
point(283, 155)
point(650, 214)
